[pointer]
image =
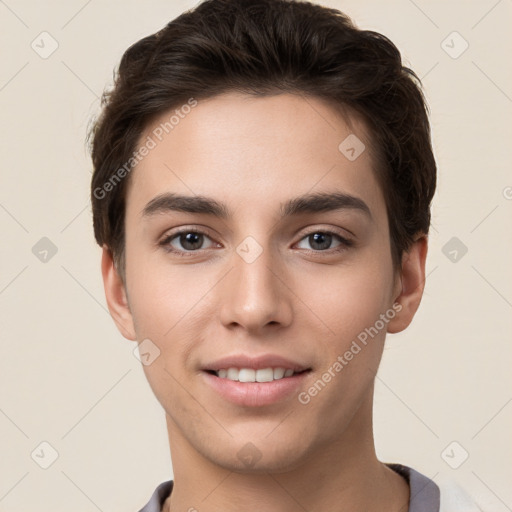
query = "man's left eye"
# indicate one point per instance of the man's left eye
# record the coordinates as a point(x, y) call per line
point(321, 240)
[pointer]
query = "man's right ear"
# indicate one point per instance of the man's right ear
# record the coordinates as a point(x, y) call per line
point(115, 293)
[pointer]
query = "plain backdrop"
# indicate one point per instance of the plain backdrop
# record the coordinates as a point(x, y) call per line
point(69, 380)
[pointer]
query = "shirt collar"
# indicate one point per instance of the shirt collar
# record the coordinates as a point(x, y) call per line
point(424, 492)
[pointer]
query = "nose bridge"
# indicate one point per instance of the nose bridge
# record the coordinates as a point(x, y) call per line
point(253, 294)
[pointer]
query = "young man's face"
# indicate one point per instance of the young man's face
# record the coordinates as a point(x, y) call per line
point(256, 283)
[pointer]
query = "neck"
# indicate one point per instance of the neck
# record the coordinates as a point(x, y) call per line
point(340, 475)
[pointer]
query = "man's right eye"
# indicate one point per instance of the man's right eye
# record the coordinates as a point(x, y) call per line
point(190, 240)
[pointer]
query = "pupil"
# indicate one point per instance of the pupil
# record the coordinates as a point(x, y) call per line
point(192, 240)
point(318, 237)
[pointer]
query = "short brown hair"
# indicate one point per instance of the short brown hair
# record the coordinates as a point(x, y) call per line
point(265, 47)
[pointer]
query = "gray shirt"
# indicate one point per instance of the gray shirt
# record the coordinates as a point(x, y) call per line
point(424, 492)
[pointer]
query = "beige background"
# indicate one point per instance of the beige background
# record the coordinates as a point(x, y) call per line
point(68, 378)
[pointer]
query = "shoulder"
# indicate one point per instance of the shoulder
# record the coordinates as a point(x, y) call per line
point(424, 492)
point(454, 498)
point(158, 497)
point(446, 493)
point(442, 495)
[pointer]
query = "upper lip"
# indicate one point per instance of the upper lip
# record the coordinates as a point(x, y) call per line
point(255, 362)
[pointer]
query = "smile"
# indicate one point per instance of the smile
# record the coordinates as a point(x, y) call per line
point(252, 375)
point(246, 391)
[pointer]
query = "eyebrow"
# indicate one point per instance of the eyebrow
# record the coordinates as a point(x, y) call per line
point(308, 203)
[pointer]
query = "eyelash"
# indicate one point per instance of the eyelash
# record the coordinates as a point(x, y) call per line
point(165, 243)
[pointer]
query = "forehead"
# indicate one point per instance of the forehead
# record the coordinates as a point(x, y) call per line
point(254, 152)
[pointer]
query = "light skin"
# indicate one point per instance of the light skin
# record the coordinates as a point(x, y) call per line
point(299, 299)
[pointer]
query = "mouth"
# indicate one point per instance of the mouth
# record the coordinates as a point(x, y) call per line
point(250, 387)
point(249, 380)
point(256, 375)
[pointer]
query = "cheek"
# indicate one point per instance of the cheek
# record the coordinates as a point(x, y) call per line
point(345, 300)
point(172, 306)
point(349, 302)
point(162, 295)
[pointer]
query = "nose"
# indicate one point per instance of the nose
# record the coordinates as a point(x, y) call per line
point(255, 295)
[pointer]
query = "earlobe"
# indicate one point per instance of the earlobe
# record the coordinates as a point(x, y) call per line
point(115, 294)
point(412, 284)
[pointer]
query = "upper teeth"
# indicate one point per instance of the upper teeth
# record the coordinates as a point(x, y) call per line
point(251, 375)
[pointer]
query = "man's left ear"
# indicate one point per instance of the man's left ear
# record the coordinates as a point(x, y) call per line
point(412, 284)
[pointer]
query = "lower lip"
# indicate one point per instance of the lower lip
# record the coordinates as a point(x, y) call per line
point(255, 394)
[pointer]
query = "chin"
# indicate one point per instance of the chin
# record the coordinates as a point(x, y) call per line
point(260, 455)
